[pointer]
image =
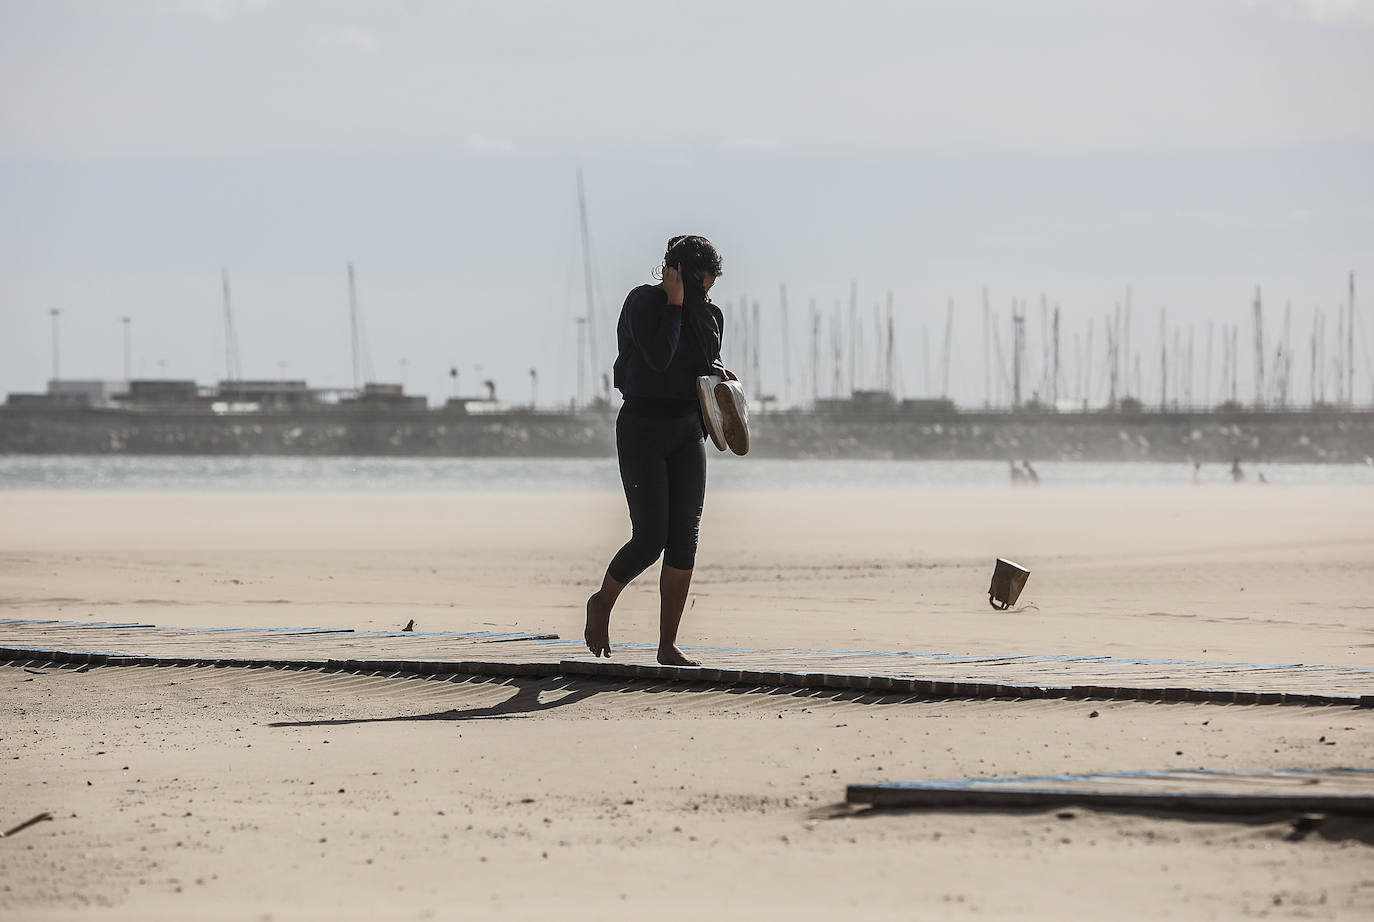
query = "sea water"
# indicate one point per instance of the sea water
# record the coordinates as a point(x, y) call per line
point(725, 472)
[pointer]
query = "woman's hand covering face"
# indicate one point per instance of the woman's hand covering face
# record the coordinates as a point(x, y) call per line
point(672, 285)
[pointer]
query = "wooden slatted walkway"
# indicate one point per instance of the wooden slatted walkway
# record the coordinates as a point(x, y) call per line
point(941, 675)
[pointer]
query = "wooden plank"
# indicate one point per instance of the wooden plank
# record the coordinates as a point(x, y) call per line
point(1342, 791)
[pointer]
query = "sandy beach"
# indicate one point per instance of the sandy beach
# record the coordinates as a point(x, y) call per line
point(231, 793)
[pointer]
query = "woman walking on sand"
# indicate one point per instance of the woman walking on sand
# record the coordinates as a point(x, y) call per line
point(668, 335)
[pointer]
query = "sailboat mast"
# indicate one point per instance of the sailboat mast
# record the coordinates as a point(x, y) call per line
point(1350, 344)
point(878, 348)
point(1321, 355)
point(1054, 384)
point(1259, 351)
point(1044, 346)
point(1113, 324)
point(786, 348)
point(1207, 366)
point(1018, 325)
point(949, 339)
point(1126, 342)
point(1235, 362)
point(1338, 365)
point(836, 331)
point(853, 332)
point(1078, 369)
point(1285, 357)
point(228, 325)
point(353, 325)
point(754, 341)
point(1088, 365)
point(1181, 359)
point(925, 361)
point(987, 355)
point(581, 358)
point(859, 361)
point(1312, 369)
point(891, 345)
point(1163, 362)
point(587, 268)
point(232, 370)
point(815, 354)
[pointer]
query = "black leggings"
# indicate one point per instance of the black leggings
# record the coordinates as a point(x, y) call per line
point(663, 468)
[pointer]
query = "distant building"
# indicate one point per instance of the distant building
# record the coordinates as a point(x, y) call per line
point(47, 401)
point(161, 392)
point(384, 396)
point(72, 394)
point(930, 406)
point(859, 400)
point(95, 393)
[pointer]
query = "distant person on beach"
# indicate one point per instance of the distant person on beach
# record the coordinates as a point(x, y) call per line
point(1018, 476)
point(668, 334)
point(1031, 476)
point(1236, 473)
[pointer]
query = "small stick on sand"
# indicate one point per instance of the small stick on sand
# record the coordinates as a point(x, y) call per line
point(42, 817)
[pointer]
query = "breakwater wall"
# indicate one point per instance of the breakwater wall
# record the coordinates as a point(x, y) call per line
point(1344, 437)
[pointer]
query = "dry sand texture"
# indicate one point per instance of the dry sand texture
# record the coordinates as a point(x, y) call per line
point(218, 793)
point(1263, 574)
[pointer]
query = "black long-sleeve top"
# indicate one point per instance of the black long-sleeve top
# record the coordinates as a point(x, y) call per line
point(656, 359)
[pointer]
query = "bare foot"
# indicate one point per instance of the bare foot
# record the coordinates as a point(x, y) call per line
point(598, 635)
point(672, 656)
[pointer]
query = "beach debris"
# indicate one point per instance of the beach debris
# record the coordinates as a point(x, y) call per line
point(1303, 825)
point(51, 672)
point(32, 821)
point(1008, 579)
point(410, 625)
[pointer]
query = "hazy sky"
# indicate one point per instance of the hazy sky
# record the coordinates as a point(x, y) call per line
point(1190, 149)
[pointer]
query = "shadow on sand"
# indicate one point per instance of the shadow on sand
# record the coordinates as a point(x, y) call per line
point(523, 703)
point(1329, 827)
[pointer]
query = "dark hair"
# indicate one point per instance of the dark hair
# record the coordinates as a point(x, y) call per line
point(694, 255)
